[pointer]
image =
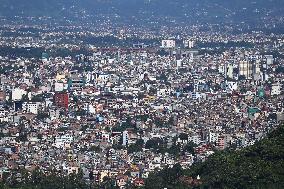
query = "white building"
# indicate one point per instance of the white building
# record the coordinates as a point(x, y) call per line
point(245, 69)
point(189, 43)
point(168, 44)
point(196, 139)
point(269, 59)
point(59, 86)
point(163, 92)
point(31, 107)
point(230, 71)
point(125, 138)
point(17, 94)
point(105, 137)
point(276, 89)
point(103, 77)
point(179, 63)
point(231, 86)
point(213, 137)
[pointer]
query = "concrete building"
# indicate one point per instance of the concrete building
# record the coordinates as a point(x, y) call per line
point(168, 44)
point(61, 99)
point(125, 137)
point(17, 94)
point(31, 107)
point(245, 69)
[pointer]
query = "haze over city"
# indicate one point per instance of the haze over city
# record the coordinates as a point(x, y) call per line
point(150, 94)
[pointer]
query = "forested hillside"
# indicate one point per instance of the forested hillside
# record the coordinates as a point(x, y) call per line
point(194, 11)
point(258, 166)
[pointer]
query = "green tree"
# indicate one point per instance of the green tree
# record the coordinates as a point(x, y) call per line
point(174, 150)
point(154, 182)
point(137, 147)
point(189, 147)
point(183, 136)
point(108, 183)
point(258, 166)
point(96, 149)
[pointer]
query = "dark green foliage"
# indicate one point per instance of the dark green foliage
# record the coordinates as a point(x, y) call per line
point(163, 53)
point(183, 136)
point(181, 10)
point(38, 98)
point(96, 149)
point(108, 183)
point(124, 125)
point(154, 144)
point(279, 70)
point(160, 146)
point(142, 117)
point(259, 166)
point(38, 180)
point(174, 150)
point(42, 115)
point(160, 123)
point(189, 148)
point(137, 147)
point(167, 178)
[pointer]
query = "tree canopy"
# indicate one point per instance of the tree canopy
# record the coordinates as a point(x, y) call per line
point(258, 166)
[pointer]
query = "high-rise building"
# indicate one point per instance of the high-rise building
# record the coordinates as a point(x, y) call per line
point(256, 72)
point(245, 69)
point(125, 137)
point(269, 59)
point(229, 70)
point(256, 67)
point(264, 70)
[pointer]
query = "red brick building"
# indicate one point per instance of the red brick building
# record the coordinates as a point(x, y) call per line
point(61, 99)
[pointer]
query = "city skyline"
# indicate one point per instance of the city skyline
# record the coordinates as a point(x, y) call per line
point(149, 94)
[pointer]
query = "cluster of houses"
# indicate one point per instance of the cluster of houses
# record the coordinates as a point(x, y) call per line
point(126, 114)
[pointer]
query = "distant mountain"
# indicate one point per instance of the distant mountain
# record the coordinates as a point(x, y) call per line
point(258, 166)
point(148, 10)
